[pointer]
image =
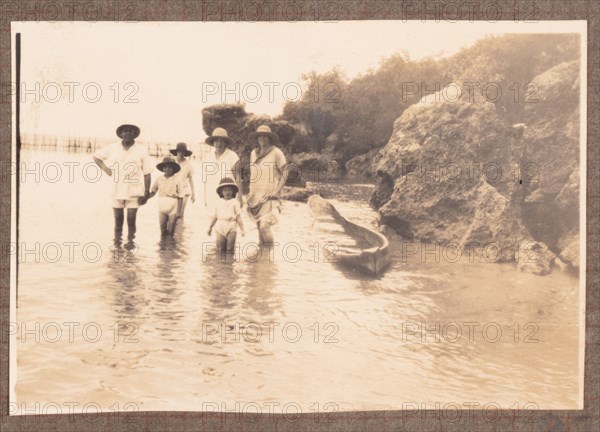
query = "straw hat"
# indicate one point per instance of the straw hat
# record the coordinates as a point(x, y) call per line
point(169, 161)
point(123, 126)
point(218, 133)
point(227, 181)
point(181, 147)
point(264, 130)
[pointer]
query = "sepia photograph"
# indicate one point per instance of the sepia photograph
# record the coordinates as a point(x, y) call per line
point(297, 218)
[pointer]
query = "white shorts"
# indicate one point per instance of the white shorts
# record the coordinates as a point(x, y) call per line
point(129, 203)
point(167, 205)
point(224, 227)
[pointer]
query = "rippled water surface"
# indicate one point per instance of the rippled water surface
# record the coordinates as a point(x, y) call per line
point(193, 334)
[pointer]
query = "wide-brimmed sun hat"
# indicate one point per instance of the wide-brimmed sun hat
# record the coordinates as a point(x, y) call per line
point(264, 130)
point(218, 133)
point(123, 126)
point(169, 161)
point(227, 181)
point(181, 147)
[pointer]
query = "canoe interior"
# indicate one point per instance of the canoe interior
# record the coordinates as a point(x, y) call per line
point(358, 247)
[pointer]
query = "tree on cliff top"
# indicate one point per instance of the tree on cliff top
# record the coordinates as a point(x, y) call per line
point(319, 107)
point(360, 113)
point(509, 63)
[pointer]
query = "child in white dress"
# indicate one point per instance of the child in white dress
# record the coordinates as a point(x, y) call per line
point(170, 195)
point(227, 216)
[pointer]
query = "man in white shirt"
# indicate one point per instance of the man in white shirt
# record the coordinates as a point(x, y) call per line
point(130, 166)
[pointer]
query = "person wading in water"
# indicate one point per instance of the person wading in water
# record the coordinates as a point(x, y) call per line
point(186, 175)
point(219, 164)
point(130, 167)
point(267, 179)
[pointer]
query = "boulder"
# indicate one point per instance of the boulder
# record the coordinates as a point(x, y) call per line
point(552, 134)
point(536, 258)
point(568, 245)
point(362, 166)
point(291, 193)
point(567, 202)
point(551, 159)
point(316, 167)
point(295, 194)
point(454, 172)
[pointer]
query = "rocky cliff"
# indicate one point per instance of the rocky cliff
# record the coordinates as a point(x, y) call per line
point(455, 172)
point(551, 209)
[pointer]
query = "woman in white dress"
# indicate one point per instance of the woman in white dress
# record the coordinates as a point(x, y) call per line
point(268, 175)
point(219, 164)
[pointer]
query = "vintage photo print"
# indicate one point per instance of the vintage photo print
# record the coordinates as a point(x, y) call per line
point(297, 218)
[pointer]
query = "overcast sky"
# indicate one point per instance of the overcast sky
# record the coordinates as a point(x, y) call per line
point(175, 69)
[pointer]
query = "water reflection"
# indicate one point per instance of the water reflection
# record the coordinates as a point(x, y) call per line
point(169, 263)
point(171, 288)
point(126, 285)
point(261, 275)
point(219, 286)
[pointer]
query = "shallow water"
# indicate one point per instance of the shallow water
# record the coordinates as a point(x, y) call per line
point(206, 332)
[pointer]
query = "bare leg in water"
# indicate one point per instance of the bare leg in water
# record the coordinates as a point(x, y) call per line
point(231, 236)
point(131, 228)
point(183, 204)
point(171, 224)
point(265, 236)
point(163, 219)
point(119, 217)
point(260, 236)
point(221, 243)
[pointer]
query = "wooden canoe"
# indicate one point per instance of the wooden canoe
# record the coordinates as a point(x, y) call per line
point(358, 247)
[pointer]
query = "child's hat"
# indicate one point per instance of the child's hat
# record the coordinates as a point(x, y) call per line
point(181, 147)
point(168, 161)
point(227, 181)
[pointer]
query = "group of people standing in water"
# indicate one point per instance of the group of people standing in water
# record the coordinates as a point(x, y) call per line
point(131, 167)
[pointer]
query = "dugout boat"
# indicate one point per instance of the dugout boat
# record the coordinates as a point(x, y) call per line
point(347, 243)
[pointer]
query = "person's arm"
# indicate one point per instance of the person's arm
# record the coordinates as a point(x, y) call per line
point(154, 189)
point(281, 165)
point(281, 183)
point(146, 169)
point(237, 177)
point(191, 179)
point(102, 165)
point(240, 224)
point(99, 157)
point(179, 200)
point(147, 194)
point(147, 181)
point(238, 216)
point(213, 221)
